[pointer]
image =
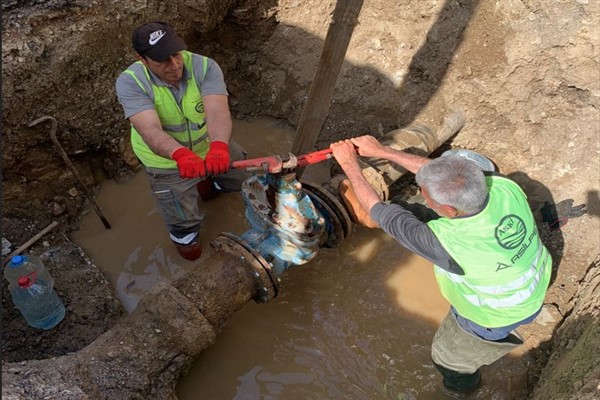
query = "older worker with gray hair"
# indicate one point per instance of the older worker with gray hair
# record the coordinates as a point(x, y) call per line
point(489, 261)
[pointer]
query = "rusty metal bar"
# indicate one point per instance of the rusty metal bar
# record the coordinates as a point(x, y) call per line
point(67, 161)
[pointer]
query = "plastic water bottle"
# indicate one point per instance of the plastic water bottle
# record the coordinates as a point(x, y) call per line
point(38, 302)
point(24, 265)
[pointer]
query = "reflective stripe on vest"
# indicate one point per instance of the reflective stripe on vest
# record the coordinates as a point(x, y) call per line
point(507, 268)
point(536, 272)
point(185, 124)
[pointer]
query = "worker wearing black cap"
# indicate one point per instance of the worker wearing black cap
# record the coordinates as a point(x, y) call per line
point(176, 102)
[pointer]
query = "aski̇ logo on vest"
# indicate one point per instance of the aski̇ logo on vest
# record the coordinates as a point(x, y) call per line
point(510, 232)
point(199, 108)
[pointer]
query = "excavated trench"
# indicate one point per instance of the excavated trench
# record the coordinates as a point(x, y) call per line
point(525, 74)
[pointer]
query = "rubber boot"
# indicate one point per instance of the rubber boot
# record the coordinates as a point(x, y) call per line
point(190, 252)
point(206, 189)
point(457, 385)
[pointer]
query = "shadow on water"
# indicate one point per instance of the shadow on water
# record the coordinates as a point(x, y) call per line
point(336, 331)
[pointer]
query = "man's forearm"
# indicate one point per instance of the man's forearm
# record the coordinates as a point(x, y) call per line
point(161, 143)
point(148, 126)
point(219, 129)
point(363, 190)
point(406, 160)
point(218, 118)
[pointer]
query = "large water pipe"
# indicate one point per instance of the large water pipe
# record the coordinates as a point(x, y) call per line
point(143, 355)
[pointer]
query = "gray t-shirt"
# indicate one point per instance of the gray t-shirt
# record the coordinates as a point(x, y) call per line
point(134, 99)
point(413, 234)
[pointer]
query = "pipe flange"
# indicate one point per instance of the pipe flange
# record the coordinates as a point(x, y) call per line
point(267, 283)
point(340, 217)
point(335, 234)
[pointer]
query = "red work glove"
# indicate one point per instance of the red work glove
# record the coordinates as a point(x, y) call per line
point(217, 158)
point(189, 163)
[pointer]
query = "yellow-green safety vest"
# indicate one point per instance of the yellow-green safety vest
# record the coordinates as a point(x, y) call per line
point(186, 124)
point(507, 268)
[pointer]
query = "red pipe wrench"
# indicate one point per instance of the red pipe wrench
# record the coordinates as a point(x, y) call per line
point(276, 164)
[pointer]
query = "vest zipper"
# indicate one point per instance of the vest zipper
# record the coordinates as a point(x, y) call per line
point(189, 135)
point(187, 123)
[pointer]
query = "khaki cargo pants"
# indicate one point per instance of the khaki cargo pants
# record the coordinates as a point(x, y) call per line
point(460, 351)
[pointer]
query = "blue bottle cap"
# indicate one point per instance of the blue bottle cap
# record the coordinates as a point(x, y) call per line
point(17, 260)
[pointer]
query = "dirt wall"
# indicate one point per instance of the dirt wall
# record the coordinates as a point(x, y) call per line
point(573, 371)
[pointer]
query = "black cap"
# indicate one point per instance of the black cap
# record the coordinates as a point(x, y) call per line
point(157, 40)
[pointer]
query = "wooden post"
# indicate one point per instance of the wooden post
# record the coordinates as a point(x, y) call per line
point(345, 18)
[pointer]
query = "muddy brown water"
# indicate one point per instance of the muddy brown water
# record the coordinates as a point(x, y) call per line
point(354, 323)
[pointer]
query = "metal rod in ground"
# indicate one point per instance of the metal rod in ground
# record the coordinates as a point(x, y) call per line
point(66, 159)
